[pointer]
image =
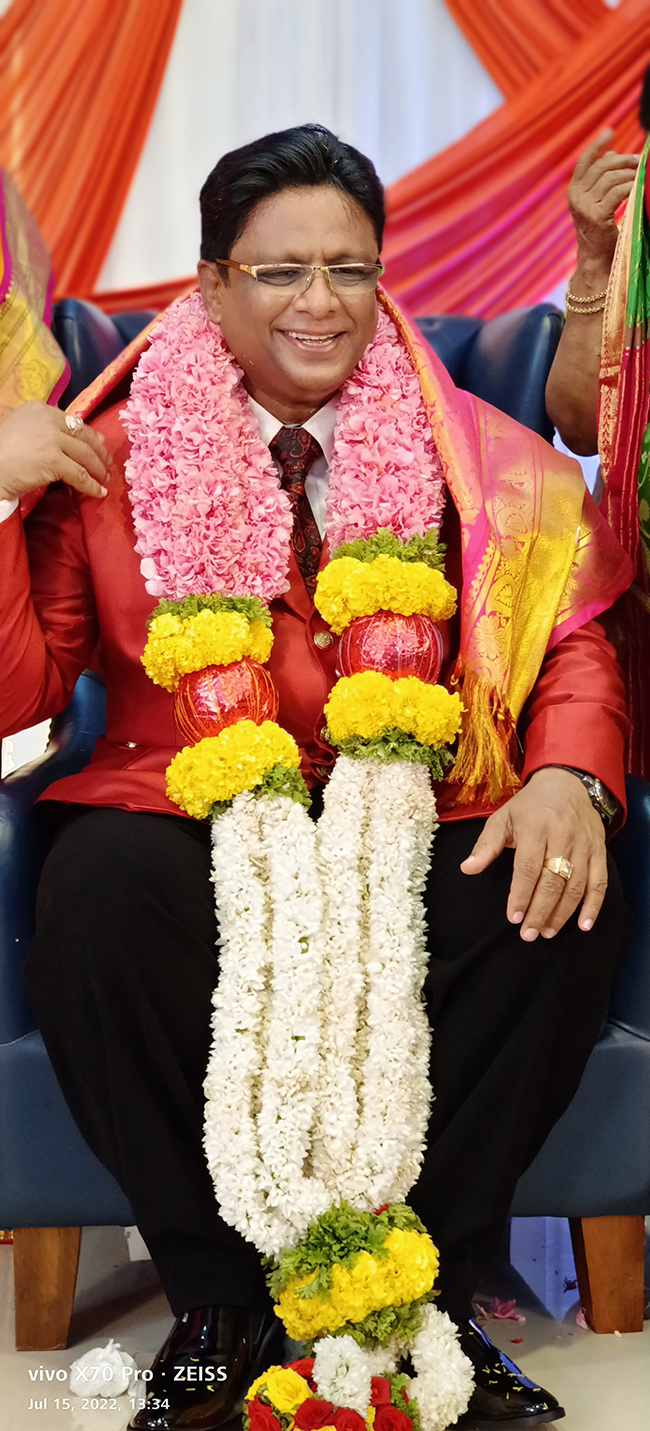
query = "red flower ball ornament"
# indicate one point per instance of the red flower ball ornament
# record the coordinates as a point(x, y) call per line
point(395, 645)
point(207, 701)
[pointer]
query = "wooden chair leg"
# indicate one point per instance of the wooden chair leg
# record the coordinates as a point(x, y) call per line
point(45, 1274)
point(608, 1254)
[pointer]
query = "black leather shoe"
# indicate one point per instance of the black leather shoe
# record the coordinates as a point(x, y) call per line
point(204, 1369)
point(502, 1395)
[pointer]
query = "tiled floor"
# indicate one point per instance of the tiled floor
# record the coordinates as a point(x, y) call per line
point(603, 1382)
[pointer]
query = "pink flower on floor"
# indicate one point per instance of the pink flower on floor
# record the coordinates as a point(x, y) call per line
point(501, 1311)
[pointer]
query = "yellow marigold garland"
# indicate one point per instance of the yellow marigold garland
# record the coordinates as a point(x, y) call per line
point(368, 703)
point(406, 1273)
point(175, 646)
point(222, 766)
point(348, 588)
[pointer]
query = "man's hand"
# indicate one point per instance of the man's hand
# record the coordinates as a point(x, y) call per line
point(36, 449)
point(600, 182)
point(551, 816)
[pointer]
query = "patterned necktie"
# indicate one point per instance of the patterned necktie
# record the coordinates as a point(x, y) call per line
point(296, 450)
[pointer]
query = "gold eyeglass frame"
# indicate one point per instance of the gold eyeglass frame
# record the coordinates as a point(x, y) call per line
point(314, 268)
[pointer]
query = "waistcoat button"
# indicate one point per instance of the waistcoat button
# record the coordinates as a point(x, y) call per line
point(323, 639)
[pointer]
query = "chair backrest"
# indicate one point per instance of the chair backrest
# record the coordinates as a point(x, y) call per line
point(91, 340)
point(506, 360)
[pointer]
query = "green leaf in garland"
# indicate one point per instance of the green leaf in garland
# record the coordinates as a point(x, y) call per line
point(338, 1236)
point(393, 745)
point(378, 1328)
point(249, 606)
point(426, 549)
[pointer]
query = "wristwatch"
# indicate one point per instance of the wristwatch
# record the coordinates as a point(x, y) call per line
point(603, 801)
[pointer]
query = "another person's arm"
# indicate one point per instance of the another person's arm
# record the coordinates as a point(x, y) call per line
point(600, 182)
point(576, 716)
point(48, 624)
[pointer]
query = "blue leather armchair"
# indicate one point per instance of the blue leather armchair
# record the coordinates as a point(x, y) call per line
point(595, 1166)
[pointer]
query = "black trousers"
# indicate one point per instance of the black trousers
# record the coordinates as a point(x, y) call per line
point(121, 973)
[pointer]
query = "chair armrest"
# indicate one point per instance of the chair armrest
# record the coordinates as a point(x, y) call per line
point(22, 850)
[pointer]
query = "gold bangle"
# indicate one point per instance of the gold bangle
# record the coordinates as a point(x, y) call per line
point(571, 307)
point(592, 299)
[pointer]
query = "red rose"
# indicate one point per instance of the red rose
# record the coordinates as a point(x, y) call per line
point(348, 1420)
point(388, 1418)
point(261, 1417)
point(379, 1391)
point(313, 1414)
point(304, 1366)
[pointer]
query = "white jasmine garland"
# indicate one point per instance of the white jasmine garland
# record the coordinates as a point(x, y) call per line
point(393, 1091)
point(341, 849)
point(445, 1380)
point(240, 1002)
point(292, 1064)
point(317, 1088)
point(342, 1373)
point(264, 1070)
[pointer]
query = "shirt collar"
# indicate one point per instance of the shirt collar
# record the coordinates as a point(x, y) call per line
point(321, 425)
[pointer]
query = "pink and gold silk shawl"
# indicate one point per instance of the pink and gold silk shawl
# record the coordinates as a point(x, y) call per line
point(32, 366)
point(624, 446)
point(538, 560)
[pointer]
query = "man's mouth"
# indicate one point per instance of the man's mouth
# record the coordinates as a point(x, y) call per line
point(314, 342)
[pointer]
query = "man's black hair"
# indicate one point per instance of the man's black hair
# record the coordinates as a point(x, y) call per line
point(303, 157)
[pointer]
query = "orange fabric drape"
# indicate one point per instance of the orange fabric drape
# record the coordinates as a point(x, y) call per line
point(155, 296)
point(78, 86)
point(516, 39)
point(484, 226)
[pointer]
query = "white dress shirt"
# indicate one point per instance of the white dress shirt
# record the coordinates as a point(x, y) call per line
point(7, 506)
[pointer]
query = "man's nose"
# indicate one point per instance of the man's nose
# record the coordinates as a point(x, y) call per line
point(318, 298)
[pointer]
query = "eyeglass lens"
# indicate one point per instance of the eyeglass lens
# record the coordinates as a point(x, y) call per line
point(341, 276)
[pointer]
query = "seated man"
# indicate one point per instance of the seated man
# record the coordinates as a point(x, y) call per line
point(123, 964)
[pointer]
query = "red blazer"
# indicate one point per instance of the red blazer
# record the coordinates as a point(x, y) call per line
point(74, 597)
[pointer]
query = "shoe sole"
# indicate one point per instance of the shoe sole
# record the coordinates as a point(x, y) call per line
point(519, 1423)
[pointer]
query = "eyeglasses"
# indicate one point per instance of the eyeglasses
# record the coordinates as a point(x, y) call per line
point(341, 277)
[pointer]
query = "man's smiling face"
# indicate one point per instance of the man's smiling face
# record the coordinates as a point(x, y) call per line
point(295, 348)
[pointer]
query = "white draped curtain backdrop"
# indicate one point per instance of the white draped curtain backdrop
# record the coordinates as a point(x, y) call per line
point(396, 78)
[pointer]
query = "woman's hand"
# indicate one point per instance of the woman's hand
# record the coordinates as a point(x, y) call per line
point(551, 816)
point(600, 182)
point(36, 448)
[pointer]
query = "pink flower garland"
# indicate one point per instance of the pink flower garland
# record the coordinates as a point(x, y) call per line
point(207, 506)
point(385, 471)
point(208, 509)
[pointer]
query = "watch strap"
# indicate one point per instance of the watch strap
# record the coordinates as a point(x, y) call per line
point(604, 803)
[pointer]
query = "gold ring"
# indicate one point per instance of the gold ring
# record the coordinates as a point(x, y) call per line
point(73, 424)
point(558, 865)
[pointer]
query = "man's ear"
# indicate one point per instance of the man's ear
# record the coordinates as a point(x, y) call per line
point(211, 286)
